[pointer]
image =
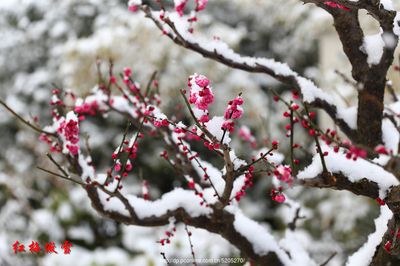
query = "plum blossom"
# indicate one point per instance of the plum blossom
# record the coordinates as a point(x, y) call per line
point(201, 95)
point(180, 6)
point(284, 174)
point(234, 109)
point(87, 108)
point(69, 130)
point(336, 5)
point(201, 4)
point(246, 135)
point(277, 195)
point(228, 125)
point(133, 5)
point(381, 150)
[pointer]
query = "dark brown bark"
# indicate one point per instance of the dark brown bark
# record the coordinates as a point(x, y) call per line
point(370, 112)
point(351, 36)
point(370, 97)
point(338, 181)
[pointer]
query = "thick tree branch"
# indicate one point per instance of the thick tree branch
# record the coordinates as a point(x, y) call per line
point(370, 77)
point(221, 223)
point(338, 181)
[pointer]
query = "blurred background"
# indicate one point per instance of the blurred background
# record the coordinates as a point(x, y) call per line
point(51, 42)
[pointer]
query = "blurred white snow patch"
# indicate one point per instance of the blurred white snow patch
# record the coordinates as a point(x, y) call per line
point(349, 115)
point(390, 136)
point(396, 26)
point(82, 232)
point(214, 126)
point(47, 222)
point(294, 244)
point(65, 211)
point(15, 103)
point(274, 157)
point(389, 40)
point(206, 244)
point(59, 29)
point(99, 256)
point(373, 48)
point(134, 2)
point(387, 4)
point(352, 208)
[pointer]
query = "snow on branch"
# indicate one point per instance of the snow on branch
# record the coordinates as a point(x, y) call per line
point(364, 256)
point(356, 172)
point(210, 199)
point(177, 28)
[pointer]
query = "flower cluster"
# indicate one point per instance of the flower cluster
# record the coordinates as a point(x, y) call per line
point(181, 4)
point(248, 182)
point(201, 4)
point(246, 135)
point(54, 146)
point(169, 233)
point(284, 174)
point(86, 108)
point(128, 150)
point(233, 111)
point(201, 95)
point(69, 130)
point(277, 195)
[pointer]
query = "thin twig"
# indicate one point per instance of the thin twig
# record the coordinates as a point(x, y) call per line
point(244, 168)
point(321, 155)
point(191, 245)
point(292, 224)
point(57, 164)
point(87, 145)
point(202, 168)
point(134, 141)
point(165, 258)
point(29, 124)
point(148, 86)
point(292, 142)
point(128, 125)
point(202, 128)
point(329, 259)
point(58, 175)
point(390, 88)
